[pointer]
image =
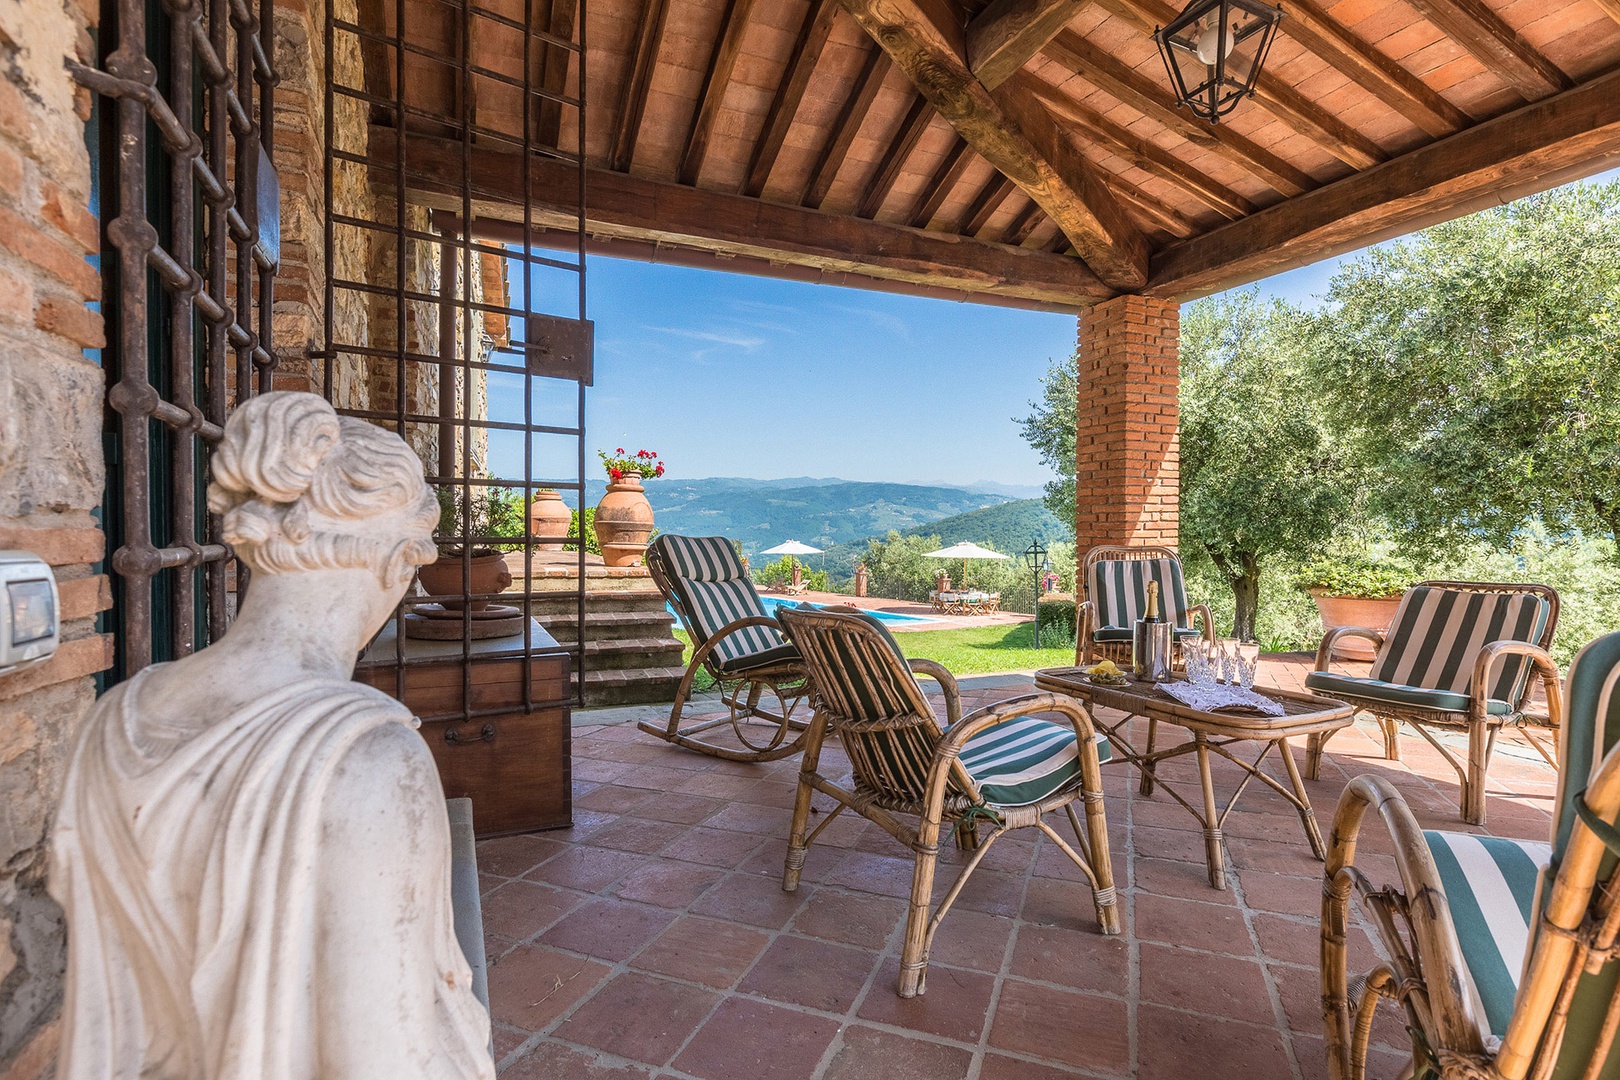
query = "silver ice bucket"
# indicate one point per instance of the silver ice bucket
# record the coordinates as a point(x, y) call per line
point(1150, 650)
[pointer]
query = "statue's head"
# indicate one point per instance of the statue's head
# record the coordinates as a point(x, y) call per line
point(301, 488)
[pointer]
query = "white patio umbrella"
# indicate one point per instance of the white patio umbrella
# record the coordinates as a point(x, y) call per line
point(964, 551)
point(792, 547)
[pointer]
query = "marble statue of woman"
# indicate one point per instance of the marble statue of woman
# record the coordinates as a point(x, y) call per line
point(252, 849)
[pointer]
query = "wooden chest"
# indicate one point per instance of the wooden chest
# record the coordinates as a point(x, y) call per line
point(515, 764)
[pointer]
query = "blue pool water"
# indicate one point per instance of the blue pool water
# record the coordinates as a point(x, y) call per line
point(773, 602)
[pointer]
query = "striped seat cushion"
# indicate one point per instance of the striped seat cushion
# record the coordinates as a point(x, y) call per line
point(1024, 760)
point(1437, 634)
point(1118, 588)
point(713, 589)
point(1336, 685)
point(1490, 885)
point(1122, 633)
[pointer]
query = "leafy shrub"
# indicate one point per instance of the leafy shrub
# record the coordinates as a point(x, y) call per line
point(578, 528)
point(1357, 576)
point(495, 511)
point(1056, 613)
point(780, 573)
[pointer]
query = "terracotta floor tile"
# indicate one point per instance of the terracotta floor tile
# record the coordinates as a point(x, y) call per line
point(587, 869)
point(715, 785)
point(609, 929)
point(656, 777)
point(533, 985)
point(714, 847)
point(638, 1017)
point(1215, 927)
point(1083, 1030)
point(637, 834)
point(1298, 941)
point(755, 901)
point(1218, 985)
point(507, 1039)
point(614, 799)
point(1051, 902)
point(971, 939)
point(1265, 891)
point(751, 1040)
point(1073, 958)
point(855, 919)
point(881, 874)
point(674, 806)
point(1188, 880)
point(810, 972)
point(553, 1061)
point(869, 1054)
point(955, 1005)
point(770, 858)
point(521, 909)
point(514, 856)
point(987, 890)
point(1175, 1045)
point(1183, 844)
point(667, 883)
point(759, 821)
point(1001, 1067)
point(1301, 992)
point(703, 951)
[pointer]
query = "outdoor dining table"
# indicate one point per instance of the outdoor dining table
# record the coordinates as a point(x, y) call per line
point(1212, 733)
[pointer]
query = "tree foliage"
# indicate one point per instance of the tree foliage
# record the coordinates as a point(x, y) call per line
point(1049, 430)
point(1473, 367)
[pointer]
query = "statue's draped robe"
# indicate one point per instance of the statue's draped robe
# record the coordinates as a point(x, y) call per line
point(190, 866)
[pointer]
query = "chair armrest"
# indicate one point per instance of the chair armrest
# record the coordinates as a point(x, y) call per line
point(1324, 652)
point(701, 653)
point(1202, 612)
point(1434, 958)
point(947, 683)
point(1085, 615)
point(1491, 657)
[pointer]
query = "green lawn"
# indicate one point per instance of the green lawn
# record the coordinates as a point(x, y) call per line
point(977, 650)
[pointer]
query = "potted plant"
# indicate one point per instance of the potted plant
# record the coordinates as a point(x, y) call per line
point(549, 517)
point(442, 579)
point(1356, 591)
point(624, 518)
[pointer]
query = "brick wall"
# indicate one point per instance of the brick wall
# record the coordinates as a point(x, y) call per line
point(51, 477)
point(1127, 453)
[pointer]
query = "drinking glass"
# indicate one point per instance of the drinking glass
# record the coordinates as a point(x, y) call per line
point(1248, 664)
point(1228, 651)
point(1200, 668)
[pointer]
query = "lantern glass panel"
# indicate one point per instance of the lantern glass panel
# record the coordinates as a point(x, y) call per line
point(1213, 52)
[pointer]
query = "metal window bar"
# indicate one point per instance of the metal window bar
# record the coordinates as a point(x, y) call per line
point(412, 50)
point(171, 171)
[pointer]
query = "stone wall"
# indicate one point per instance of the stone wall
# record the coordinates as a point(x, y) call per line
point(1127, 448)
point(51, 478)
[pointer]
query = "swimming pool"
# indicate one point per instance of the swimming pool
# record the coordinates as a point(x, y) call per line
point(891, 617)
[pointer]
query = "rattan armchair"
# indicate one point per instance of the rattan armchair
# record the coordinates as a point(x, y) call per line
point(1502, 952)
point(1001, 766)
point(1458, 655)
point(1114, 580)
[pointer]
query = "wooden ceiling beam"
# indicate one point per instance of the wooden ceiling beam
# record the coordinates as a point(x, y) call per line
point(1611, 8)
point(818, 22)
point(1122, 82)
point(1003, 37)
point(659, 212)
point(939, 186)
point(1023, 223)
point(1310, 25)
point(1012, 130)
point(985, 204)
point(1549, 142)
point(1161, 214)
point(1271, 93)
point(633, 102)
point(911, 128)
point(554, 60)
point(733, 25)
point(1481, 31)
point(1147, 155)
point(849, 121)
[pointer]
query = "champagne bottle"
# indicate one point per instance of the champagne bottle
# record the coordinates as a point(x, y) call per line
point(1153, 602)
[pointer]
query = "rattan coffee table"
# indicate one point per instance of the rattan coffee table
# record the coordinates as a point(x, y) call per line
point(1212, 733)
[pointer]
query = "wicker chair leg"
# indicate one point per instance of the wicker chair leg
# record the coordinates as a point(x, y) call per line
point(798, 841)
point(914, 952)
point(1146, 786)
point(967, 836)
point(1392, 737)
point(1481, 741)
point(1314, 745)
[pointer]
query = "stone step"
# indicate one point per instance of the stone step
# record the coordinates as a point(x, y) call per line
point(632, 686)
point(632, 653)
point(608, 625)
point(564, 603)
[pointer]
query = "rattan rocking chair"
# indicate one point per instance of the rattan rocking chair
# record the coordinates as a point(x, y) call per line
point(1458, 655)
point(1502, 952)
point(1001, 766)
point(1115, 581)
point(740, 646)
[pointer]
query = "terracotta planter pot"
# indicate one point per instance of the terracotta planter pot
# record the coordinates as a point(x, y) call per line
point(442, 579)
point(549, 516)
point(1375, 613)
point(623, 523)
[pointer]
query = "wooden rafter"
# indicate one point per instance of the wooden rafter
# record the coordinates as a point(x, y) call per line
point(1023, 223)
point(1145, 96)
point(1003, 37)
point(1549, 142)
point(938, 188)
point(558, 21)
point(1310, 25)
point(1147, 155)
point(633, 102)
point(1474, 26)
point(849, 121)
point(659, 212)
point(984, 204)
point(818, 22)
point(1012, 130)
point(1611, 8)
point(732, 27)
point(911, 128)
point(1156, 212)
point(1272, 94)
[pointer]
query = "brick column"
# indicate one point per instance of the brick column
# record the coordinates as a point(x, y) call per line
point(1127, 454)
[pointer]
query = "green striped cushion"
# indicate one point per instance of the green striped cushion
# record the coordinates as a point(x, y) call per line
point(1023, 761)
point(1335, 685)
point(1119, 590)
point(1490, 886)
point(1123, 633)
point(1437, 633)
point(701, 558)
point(713, 604)
point(713, 589)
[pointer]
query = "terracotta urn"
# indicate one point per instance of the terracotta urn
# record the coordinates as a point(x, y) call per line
point(442, 579)
point(1375, 613)
point(549, 516)
point(623, 522)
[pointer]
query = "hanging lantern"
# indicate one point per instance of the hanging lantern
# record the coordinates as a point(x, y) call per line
point(1214, 50)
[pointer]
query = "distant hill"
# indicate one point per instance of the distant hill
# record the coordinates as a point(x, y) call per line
point(820, 512)
point(1006, 527)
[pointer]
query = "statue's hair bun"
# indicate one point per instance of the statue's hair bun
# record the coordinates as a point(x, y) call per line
point(273, 447)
